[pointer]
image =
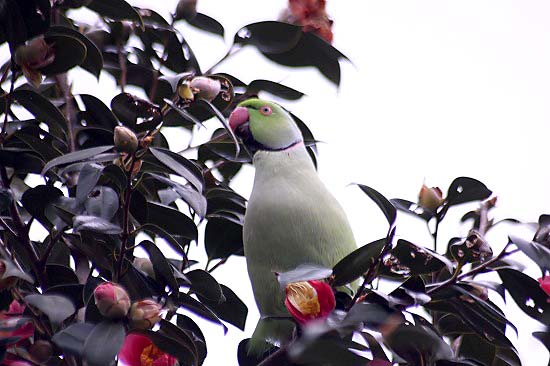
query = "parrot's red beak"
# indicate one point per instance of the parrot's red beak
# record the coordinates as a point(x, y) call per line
point(238, 117)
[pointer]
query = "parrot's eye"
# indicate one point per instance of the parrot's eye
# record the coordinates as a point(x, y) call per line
point(266, 110)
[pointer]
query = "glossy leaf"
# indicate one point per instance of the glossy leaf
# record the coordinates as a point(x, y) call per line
point(43, 110)
point(75, 156)
point(206, 23)
point(527, 294)
point(69, 50)
point(387, 208)
point(72, 338)
point(355, 264)
point(104, 343)
point(538, 253)
point(93, 61)
point(465, 189)
point(161, 266)
point(115, 9)
point(57, 308)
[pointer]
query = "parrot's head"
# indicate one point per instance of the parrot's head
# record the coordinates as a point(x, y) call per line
point(264, 125)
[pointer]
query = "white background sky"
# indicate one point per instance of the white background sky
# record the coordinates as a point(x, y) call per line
point(439, 89)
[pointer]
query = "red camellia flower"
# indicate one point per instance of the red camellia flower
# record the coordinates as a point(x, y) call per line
point(13, 319)
point(112, 300)
point(309, 300)
point(544, 283)
point(311, 15)
point(138, 350)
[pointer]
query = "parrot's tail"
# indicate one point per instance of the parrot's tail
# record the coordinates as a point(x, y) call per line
point(270, 332)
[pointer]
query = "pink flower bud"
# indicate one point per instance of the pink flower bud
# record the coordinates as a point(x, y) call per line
point(544, 283)
point(205, 87)
point(309, 300)
point(430, 198)
point(144, 314)
point(112, 300)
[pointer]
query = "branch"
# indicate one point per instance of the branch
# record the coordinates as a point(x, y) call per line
point(8, 102)
point(125, 220)
point(123, 69)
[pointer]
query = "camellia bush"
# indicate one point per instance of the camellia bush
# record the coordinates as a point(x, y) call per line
point(100, 181)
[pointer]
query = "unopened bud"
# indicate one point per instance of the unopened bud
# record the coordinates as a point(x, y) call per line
point(186, 9)
point(125, 139)
point(145, 266)
point(309, 300)
point(205, 87)
point(33, 56)
point(111, 300)
point(430, 198)
point(144, 314)
point(41, 351)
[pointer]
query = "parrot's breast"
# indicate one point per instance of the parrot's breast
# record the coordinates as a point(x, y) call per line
point(291, 219)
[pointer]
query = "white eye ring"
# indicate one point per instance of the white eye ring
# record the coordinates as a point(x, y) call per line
point(266, 110)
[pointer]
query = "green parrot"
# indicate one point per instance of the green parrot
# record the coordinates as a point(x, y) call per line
point(291, 217)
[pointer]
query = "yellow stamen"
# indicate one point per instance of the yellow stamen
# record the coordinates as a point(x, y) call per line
point(149, 355)
point(304, 298)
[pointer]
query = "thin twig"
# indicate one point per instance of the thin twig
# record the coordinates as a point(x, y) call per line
point(232, 51)
point(8, 103)
point(48, 250)
point(123, 68)
point(125, 219)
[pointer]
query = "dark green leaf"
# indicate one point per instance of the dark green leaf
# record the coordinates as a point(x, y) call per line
point(418, 344)
point(537, 252)
point(95, 224)
point(223, 238)
point(174, 244)
point(98, 114)
point(219, 115)
point(527, 294)
point(93, 62)
point(232, 309)
point(43, 110)
point(71, 339)
point(190, 195)
point(172, 221)
point(195, 306)
point(102, 202)
point(414, 260)
point(276, 89)
point(69, 51)
point(57, 308)
point(476, 348)
point(181, 166)
point(103, 343)
point(206, 23)
point(355, 264)
point(205, 285)
point(75, 156)
point(387, 208)
point(163, 269)
point(37, 199)
point(87, 180)
point(465, 189)
point(270, 37)
point(412, 208)
point(115, 9)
